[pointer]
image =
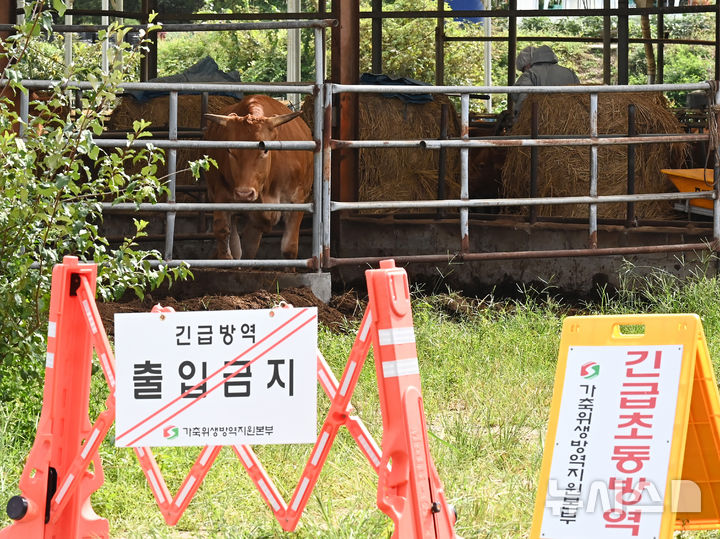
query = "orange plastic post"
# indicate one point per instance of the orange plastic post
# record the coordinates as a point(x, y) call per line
point(409, 488)
point(63, 424)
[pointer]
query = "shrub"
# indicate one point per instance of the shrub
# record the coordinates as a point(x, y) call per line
point(53, 181)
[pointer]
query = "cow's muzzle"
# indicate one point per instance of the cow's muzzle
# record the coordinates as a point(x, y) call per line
point(243, 194)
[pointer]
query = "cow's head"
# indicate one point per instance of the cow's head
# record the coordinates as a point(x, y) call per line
point(249, 169)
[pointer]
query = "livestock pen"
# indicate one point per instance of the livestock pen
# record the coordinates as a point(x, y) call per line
point(601, 239)
point(435, 236)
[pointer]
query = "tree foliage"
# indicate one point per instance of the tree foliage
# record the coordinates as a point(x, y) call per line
point(409, 47)
point(258, 55)
point(52, 183)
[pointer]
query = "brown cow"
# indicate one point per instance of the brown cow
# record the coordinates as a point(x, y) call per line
point(256, 175)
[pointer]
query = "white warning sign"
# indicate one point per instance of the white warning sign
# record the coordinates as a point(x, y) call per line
point(611, 454)
point(216, 377)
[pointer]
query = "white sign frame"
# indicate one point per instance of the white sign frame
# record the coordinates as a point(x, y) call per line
point(198, 353)
point(598, 378)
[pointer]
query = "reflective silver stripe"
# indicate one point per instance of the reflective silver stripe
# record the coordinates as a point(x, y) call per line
point(108, 371)
point(369, 451)
point(52, 329)
point(396, 336)
point(205, 455)
point(64, 488)
point(155, 486)
point(401, 367)
point(364, 330)
point(348, 376)
point(245, 456)
point(185, 491)
point(50, 360)
point(89, 443)
point(300, 492)
point(319, 449)
point(88, 315)
point(271, 499)
point(325, 381)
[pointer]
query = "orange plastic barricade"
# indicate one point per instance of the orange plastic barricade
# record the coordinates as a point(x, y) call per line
point(56, 483)
point(409, 491)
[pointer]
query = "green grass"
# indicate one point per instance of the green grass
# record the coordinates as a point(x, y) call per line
point(487, 379)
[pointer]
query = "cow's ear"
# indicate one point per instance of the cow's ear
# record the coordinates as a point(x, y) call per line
point(280, 119)
point(217, 118)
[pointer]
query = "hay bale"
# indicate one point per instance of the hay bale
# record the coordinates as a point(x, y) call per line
point(156, 111)
point(565, 170)
point(401, 173)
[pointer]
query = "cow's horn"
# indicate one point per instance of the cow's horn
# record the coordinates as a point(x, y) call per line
point(217, 118)
point(280, 119)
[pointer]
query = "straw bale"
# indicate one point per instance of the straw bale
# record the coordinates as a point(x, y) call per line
point(401, 173)
point(565, 171)
point(156, 111)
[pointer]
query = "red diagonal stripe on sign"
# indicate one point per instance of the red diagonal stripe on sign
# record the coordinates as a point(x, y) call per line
point(253, 347)
point(219, 384)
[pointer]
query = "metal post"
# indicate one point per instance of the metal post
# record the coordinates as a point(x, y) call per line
point(440, 46)
point(464, 190)
point(533, 160)
point(172, 167)
point(327, 168)
point(318, 114)
point(105, 5)
point(659, 71)
point(24, 111)
point(487, 70)
point(623, 42)
point(442, 157)
point(204, 103)
point(346, 70)
point(512, 45)
point(593, 169)
point(377, 36)
point(631, 166)
point(607, 46)
point(293, 54)
point(717, 40)
point(68, 37)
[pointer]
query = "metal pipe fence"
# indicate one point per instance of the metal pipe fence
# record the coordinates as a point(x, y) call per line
point(593, 141)
point(322, 205)
point(172, 144)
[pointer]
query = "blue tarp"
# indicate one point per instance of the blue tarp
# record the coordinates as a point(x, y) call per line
point(373, 78)
point(206, 70)
point(467, 4)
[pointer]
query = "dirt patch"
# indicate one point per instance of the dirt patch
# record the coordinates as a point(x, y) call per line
point(335, 315)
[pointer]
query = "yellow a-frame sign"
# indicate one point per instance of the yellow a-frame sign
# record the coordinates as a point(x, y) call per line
point(633, 443)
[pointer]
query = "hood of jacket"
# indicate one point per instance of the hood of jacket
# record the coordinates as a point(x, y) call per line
point(535, 55)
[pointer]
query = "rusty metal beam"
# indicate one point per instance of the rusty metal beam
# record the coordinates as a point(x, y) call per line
point(510, 255)
point(345, 70)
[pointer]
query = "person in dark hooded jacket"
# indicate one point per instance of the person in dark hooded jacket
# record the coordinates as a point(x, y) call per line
point(539, 67)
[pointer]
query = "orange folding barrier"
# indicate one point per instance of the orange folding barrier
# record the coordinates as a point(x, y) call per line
point(56, 483)
point(409, 491)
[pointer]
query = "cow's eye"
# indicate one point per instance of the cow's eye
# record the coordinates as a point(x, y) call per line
point(265, 153)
